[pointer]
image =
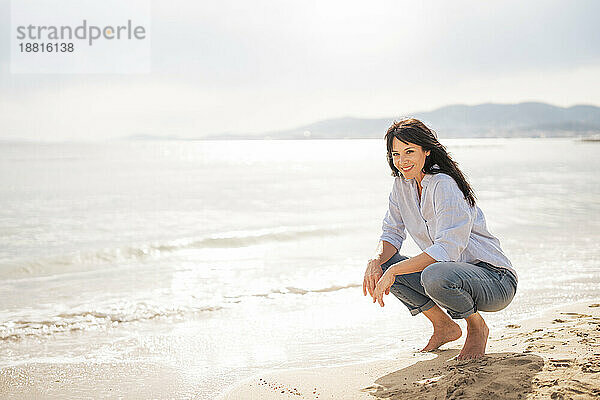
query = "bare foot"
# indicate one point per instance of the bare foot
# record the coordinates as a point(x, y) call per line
point(477, 335)
point(443, 334)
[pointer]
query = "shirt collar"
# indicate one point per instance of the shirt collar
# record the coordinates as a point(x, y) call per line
point(425, 180)
point(428, 177)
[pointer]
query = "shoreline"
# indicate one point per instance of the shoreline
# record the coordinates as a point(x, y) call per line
point(555, 355)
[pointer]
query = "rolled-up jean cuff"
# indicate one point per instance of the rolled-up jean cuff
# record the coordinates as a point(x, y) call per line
point(455, 315)
point(424, 307)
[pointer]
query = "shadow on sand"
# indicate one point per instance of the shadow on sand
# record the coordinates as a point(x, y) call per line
point(495, 376)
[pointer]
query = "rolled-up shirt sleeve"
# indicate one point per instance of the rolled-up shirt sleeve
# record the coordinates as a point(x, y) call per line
point(453, 222)
point(393, 228)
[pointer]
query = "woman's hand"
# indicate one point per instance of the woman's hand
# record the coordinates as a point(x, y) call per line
point(372, 275)
point(383, 286)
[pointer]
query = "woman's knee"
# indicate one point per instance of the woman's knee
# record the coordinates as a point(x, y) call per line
point(500, 298)
point(438, 276)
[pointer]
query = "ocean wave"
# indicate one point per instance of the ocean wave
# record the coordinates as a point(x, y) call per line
point(296, 290)
point(86, 260)
point(83, 320)
point(92, 320)
point(247, 238)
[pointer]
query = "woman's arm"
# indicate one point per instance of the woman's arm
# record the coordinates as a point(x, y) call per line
point(408, 266)
point(393, 230)
point(392, 237)
point(411, 265)
point(384, 252)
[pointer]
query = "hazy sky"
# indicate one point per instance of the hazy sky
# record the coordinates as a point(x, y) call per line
point(254, 66)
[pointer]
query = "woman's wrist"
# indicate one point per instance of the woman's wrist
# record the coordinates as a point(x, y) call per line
point(395, 269)
point(376, 260)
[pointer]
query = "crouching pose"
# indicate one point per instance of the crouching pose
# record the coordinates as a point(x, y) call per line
point(462, 267)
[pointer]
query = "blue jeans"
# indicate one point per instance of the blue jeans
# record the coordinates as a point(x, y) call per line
point(461, 288)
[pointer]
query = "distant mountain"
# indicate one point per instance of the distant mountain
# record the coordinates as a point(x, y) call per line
point(483, 120)
point(524, 119)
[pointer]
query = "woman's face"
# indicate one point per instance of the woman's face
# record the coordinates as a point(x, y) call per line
point(409, 159)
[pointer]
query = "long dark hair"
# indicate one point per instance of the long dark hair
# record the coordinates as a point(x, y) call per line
point(413, 131)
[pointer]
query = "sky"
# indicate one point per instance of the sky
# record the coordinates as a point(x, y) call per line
point(258, 66)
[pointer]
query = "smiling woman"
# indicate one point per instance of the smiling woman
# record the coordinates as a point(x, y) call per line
point(462, 267)
point(413, 155)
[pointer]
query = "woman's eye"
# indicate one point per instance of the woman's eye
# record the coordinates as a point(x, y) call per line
point(408, 151)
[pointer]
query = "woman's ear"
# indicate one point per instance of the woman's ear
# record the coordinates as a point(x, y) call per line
point(428, 152)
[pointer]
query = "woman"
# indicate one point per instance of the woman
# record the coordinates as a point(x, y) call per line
point(462, 267)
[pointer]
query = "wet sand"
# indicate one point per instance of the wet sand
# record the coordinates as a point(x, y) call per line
point(556, 356)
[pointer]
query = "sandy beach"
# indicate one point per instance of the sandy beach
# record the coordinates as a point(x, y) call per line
point(555, 356)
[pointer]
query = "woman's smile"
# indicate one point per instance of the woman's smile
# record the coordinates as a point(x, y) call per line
point(409, 158)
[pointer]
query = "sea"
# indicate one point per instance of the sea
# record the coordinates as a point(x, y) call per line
point(224, 259)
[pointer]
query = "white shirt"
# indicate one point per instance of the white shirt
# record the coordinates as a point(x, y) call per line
point(442, 223)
